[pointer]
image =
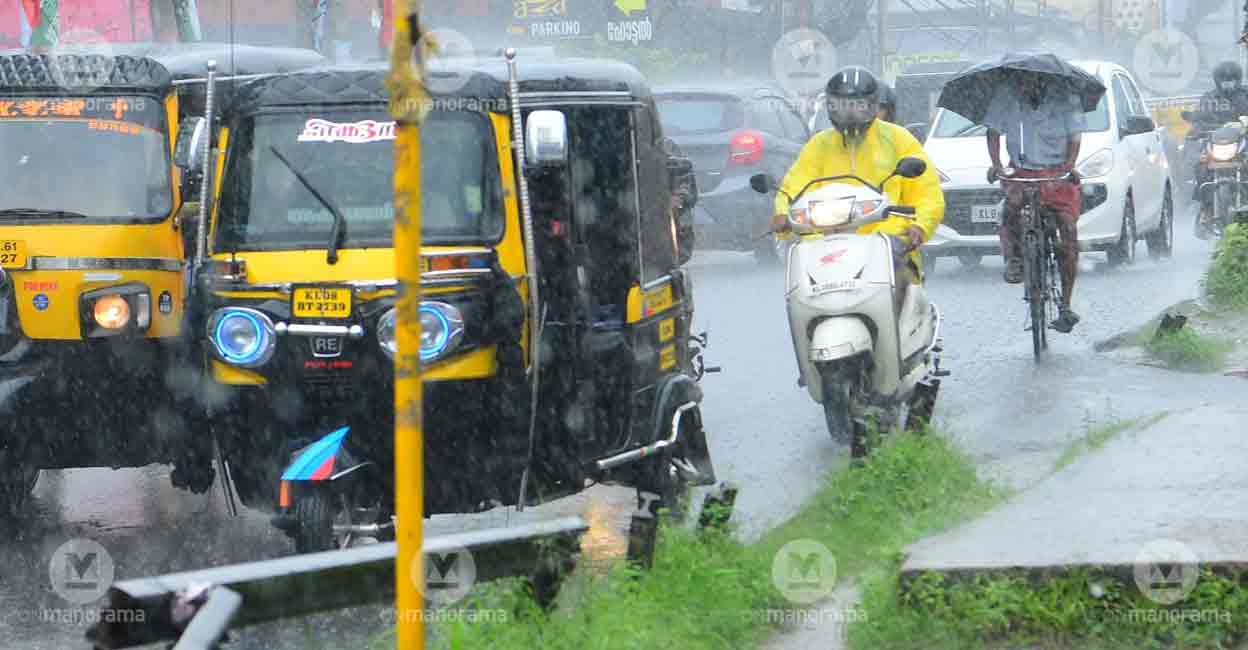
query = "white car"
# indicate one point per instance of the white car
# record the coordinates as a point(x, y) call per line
point(1127, 187)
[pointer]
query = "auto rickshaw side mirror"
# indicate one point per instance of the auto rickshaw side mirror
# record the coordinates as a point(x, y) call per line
point(546, 139)
point(911, 167)
point(763, 183)
point(188, 149)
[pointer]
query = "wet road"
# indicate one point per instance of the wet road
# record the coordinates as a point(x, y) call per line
point(766, 435)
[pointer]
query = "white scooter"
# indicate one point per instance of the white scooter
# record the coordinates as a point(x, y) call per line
point(867, 348)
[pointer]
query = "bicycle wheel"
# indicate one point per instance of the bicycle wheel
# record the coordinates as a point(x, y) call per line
point(1033, 280)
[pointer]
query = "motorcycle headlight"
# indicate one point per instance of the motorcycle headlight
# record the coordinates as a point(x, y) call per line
point(1100, 163)
point(441, 330)
point(385, 333)
point(242, 337)
point(1224, 152)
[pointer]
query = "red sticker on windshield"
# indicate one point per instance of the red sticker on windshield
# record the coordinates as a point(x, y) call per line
point(317, 130)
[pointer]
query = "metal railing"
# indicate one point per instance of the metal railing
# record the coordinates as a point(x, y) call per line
point(196, 608)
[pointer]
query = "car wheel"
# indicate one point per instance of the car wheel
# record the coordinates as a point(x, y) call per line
point(1122, 253)
point(1161, 241)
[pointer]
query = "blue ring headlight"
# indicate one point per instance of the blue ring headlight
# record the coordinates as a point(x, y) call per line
point(441, 330)
point(242, 337)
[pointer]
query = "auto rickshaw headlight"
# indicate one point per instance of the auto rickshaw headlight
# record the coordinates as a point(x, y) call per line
point(111, 312)
point(385, 333)
point(242, 337)
point(441, 330)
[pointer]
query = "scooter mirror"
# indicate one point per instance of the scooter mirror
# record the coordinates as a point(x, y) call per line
point(910, 167)
point(763, 183)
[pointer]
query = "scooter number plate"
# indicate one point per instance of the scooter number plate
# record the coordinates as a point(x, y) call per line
point(839, 285)
point(12, 254)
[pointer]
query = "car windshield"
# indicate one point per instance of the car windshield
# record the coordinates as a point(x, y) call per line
point(348, 158)
point(685, 114)
point(94, 158)
point(952, 125)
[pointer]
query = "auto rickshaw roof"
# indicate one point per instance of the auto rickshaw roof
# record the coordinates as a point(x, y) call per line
point(479, 79)
point(146, 67)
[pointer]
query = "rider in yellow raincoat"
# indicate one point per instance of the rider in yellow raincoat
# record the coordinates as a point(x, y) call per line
point(862, 145)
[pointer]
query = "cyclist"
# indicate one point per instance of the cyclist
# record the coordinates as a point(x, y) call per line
point(1225, 103)
point(1043, 126)
point(863, 145)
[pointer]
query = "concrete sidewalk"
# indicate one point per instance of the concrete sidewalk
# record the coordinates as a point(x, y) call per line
point(1183, 478)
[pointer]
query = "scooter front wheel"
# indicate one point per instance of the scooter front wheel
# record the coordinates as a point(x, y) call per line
point(842, 390)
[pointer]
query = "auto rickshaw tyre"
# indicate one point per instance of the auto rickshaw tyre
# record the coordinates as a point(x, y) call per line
point(673, 488)
point(18, 476)
point(554, 565)
point(314, 522)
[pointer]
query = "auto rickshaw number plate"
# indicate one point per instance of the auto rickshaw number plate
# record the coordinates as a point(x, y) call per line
point(12, 254)
point(321, 302)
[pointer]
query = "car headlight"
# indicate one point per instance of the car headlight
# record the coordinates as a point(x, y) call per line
point(1224, 152)
point(1100, 163)
point(441, 330)
point(242, 337)
point(385, 333)
point(112, 311)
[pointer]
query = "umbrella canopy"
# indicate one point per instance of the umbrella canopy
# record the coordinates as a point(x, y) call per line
point(970, 92)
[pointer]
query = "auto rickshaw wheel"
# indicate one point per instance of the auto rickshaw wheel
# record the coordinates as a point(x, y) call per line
point(17, 480)
point(315, 513)
point(672, 487)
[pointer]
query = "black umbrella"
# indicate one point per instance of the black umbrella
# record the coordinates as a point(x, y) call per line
point(969, 93)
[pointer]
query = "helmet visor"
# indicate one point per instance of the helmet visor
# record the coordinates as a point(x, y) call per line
point(852, 111)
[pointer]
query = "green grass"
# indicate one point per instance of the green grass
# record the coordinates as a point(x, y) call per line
point(1016, 611)
point(1095, 437)
point(1187, 349)
point(708, 590)
point(1226, 282)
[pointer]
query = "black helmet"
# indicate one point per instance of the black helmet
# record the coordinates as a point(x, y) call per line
point(1228, 75)
point(888, 102)
point(853, 98)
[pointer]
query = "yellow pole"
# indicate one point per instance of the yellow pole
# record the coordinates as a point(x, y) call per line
point(408, 103)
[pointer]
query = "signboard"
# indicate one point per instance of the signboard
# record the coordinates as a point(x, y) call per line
point(894, 64)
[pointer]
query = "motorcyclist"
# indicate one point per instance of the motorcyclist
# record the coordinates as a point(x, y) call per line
point(1226, 102)
point(888, 104)
point(863, 145)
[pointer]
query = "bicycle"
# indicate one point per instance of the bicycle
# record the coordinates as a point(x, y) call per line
point(1041, 259)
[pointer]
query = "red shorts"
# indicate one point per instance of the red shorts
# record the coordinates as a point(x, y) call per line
point(1062, 196)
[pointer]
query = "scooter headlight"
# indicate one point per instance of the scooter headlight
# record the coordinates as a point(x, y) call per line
point(385, 333)
point(1224, 152)
point(441, 330)
point(242, 337)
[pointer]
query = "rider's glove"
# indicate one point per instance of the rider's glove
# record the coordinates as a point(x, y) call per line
point(914, 235)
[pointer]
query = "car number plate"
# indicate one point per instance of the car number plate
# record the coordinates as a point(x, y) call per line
point(985, 214)
point(321, 302)
point(12, 254)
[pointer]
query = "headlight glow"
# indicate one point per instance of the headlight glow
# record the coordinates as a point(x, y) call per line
point(385, 333)
point(1224, 152)
point(111, 312)
point(441, 330)
point(242, 337)
point(1098, 164)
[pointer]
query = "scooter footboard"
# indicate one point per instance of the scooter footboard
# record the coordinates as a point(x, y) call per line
point(839, 338)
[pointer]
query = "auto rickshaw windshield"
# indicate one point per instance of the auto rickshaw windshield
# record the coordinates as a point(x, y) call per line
point(348, 158)
point(58, 156)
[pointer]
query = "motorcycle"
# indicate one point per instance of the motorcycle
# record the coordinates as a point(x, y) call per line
point(868, 349)
point(1221, 174)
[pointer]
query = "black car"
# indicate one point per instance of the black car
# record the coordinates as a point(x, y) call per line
point(731, 133)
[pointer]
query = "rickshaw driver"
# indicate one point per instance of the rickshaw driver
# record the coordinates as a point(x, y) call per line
point(863, 145)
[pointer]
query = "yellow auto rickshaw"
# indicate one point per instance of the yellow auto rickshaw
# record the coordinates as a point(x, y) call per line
point(93, 285)
point(300, 319)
